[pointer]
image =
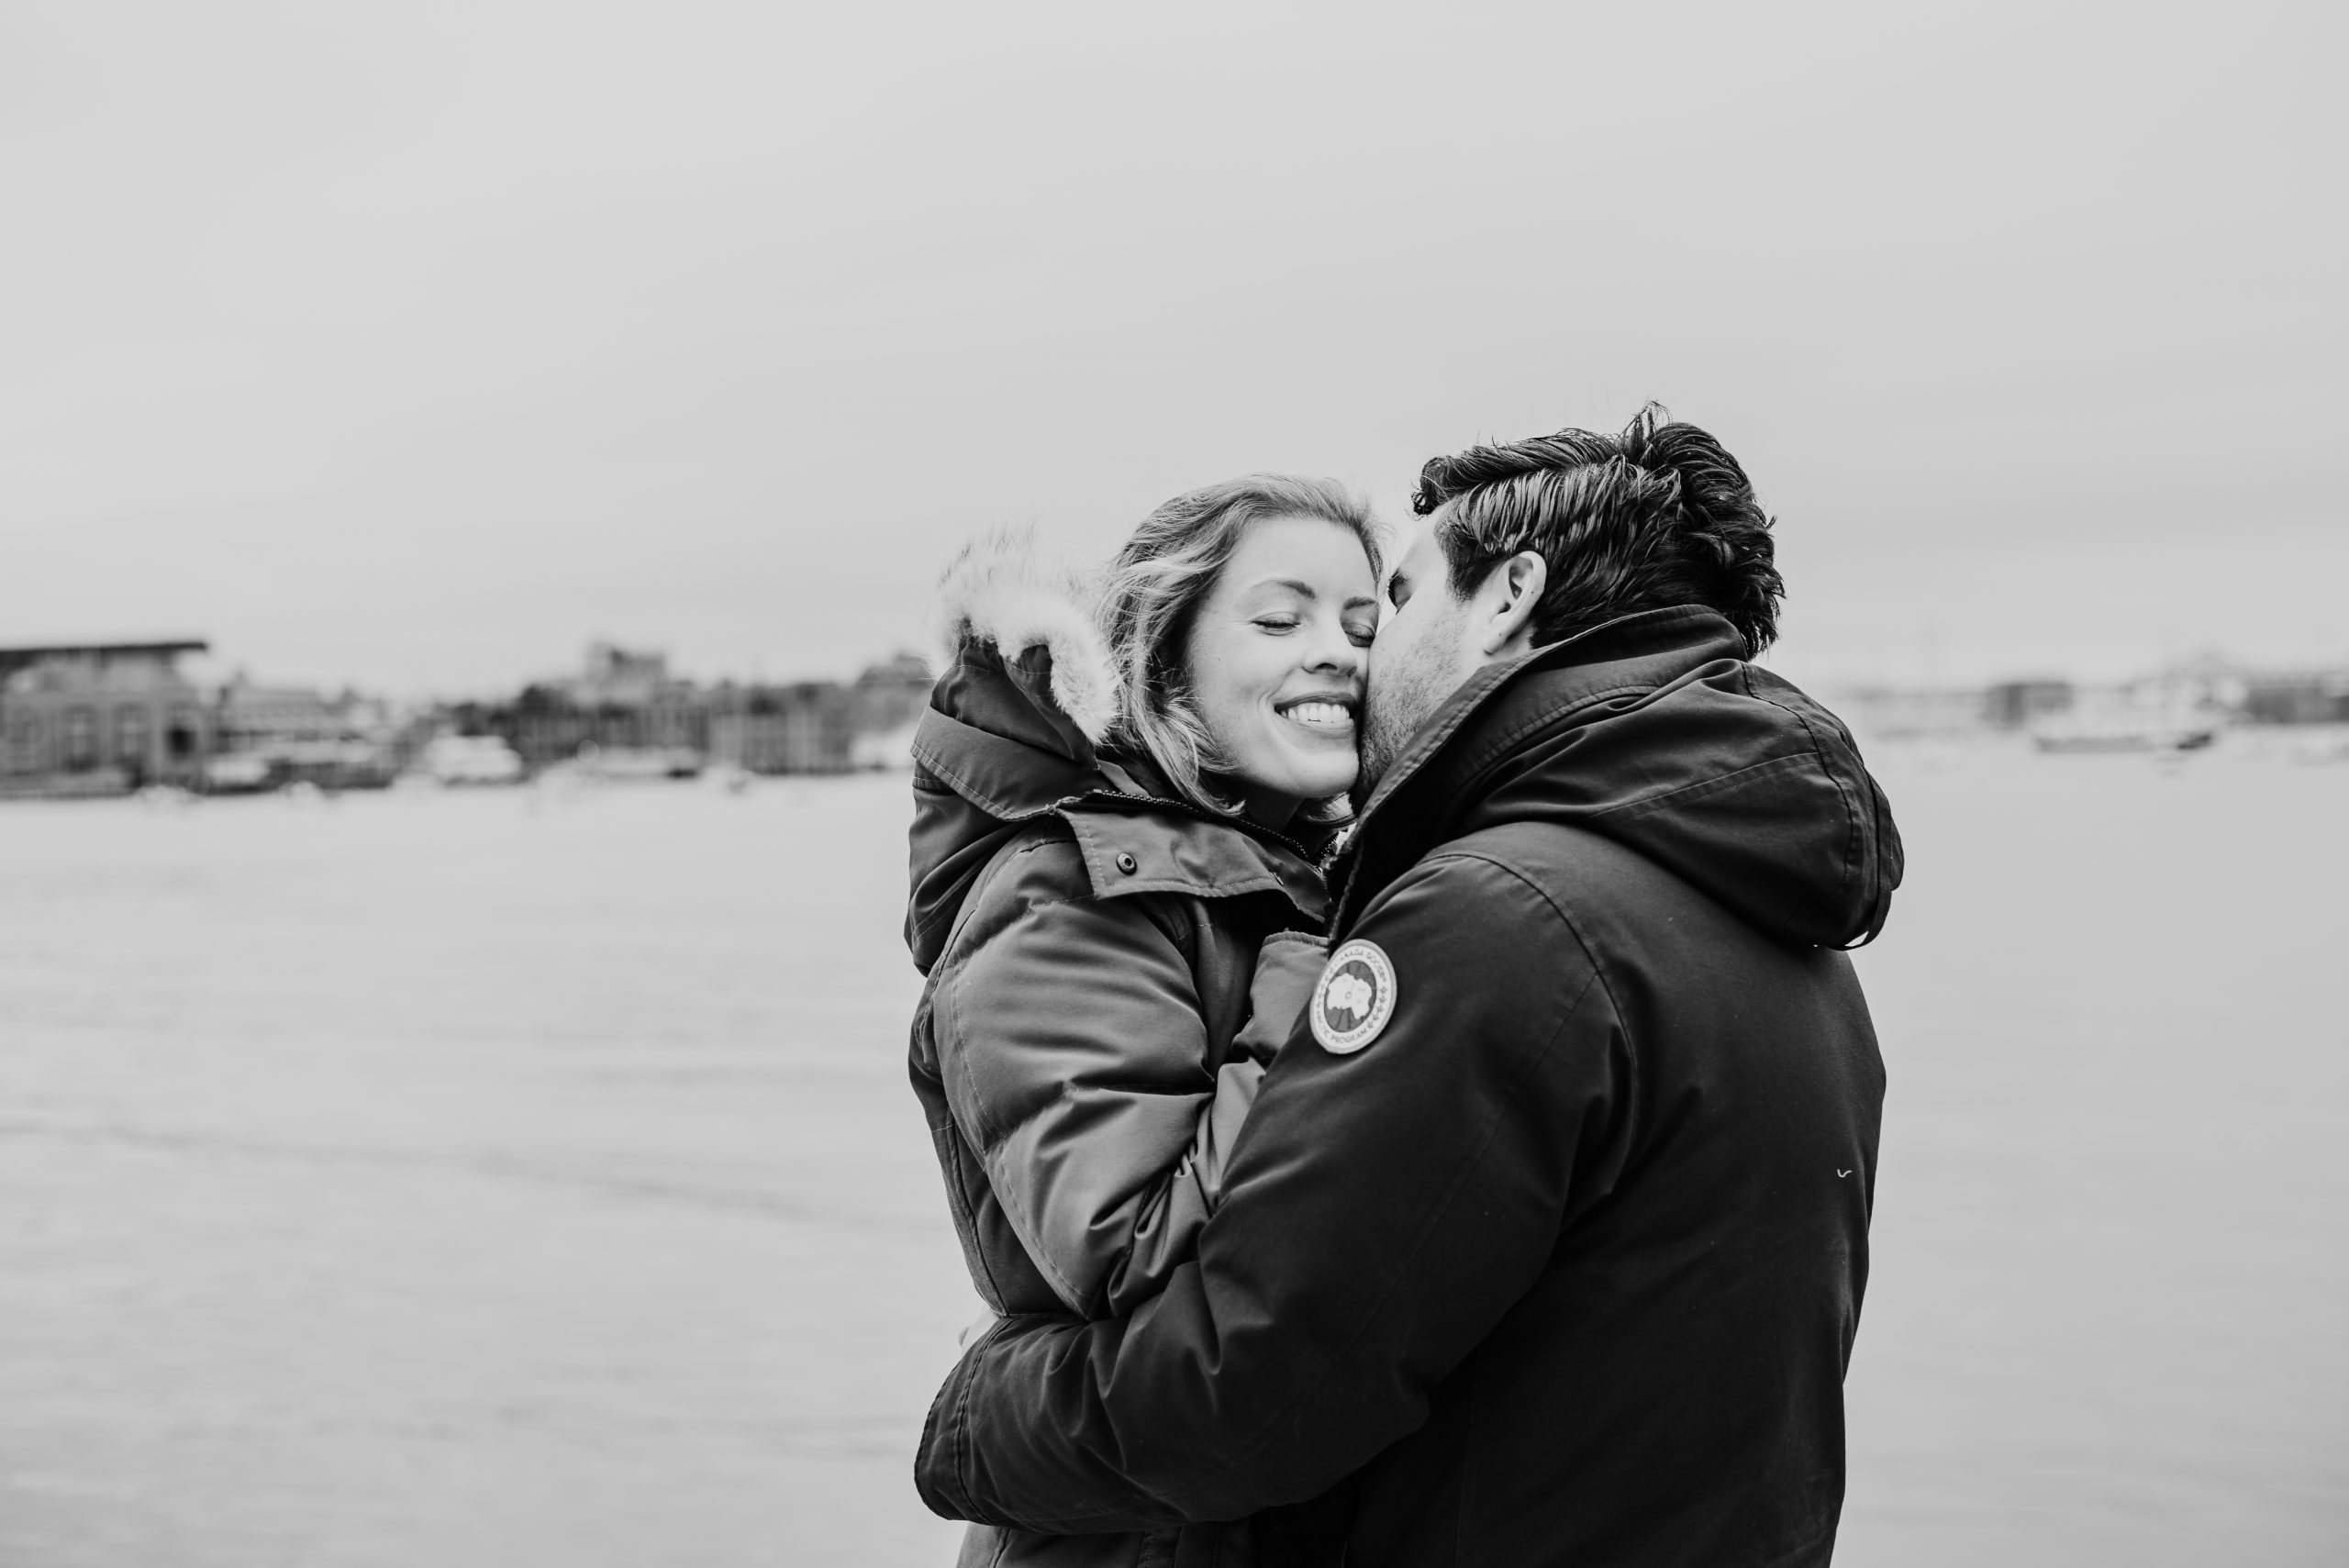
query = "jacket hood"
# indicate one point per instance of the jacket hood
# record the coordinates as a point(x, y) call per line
point(1655, 731)
point(1013, 732)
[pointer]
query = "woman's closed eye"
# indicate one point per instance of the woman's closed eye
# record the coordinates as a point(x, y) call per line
point(1279, 622)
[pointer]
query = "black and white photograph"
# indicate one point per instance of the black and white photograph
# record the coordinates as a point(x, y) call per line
point(1042, 786)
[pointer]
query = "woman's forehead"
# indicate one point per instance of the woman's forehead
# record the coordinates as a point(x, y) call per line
point(1299, 554)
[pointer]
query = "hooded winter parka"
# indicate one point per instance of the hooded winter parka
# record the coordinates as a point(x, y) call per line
point(1548, 1245)
point(1095, 950)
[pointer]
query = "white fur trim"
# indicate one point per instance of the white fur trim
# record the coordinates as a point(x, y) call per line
point(997, 592)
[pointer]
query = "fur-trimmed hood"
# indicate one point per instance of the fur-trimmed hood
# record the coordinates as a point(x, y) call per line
point(999, 594)
point(1025, 696)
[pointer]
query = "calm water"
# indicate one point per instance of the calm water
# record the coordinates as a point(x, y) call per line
point(486, 1180)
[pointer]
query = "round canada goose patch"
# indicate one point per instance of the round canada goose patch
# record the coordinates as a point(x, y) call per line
point(1354, 1000)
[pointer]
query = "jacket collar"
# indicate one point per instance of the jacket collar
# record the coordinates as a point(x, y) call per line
point(1002, 775)
point(1449, 752)
point(1172, 850)
point(1121, 813)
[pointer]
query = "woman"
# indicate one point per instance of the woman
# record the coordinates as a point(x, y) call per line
point(1117, 823)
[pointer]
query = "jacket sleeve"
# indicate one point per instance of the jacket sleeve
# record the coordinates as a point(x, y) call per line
point(1286, 967)
point(1384, 1209)
point(1076, 1062)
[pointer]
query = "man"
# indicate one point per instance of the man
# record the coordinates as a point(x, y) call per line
point(1545, 1240)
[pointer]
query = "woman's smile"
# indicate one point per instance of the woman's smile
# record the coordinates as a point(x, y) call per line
point(1322, 715)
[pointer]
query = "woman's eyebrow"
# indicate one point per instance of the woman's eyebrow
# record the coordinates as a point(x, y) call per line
point(1363, 601)
point(1302, 589)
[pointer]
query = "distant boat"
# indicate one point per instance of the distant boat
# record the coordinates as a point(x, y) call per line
point(468, 760)
point(239, 772)
point(2122, 732)
point(631, 764)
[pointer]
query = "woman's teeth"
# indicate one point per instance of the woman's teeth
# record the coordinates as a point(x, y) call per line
point(1332, 716)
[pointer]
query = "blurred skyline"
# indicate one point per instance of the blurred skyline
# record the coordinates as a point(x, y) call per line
point(413, 346)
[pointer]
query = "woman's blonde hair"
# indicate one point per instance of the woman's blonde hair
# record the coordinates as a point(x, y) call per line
point(1151, 598)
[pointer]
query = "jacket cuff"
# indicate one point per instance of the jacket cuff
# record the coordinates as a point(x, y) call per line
point(937, 1469)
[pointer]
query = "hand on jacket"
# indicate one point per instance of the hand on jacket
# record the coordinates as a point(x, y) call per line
point(1289, 966)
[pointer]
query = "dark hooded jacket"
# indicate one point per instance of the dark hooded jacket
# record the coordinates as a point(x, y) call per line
point(1564, 1264)
point(1095, 951)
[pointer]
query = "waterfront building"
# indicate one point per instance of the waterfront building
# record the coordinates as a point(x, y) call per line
point(2017, 704)
point(276, 735)
point(820, 726)
point(799, 729)
point(891, 695)
point(623, 701)
point(1892, 713)
point(2296, 696)
point(101, 717)
point(256, 717)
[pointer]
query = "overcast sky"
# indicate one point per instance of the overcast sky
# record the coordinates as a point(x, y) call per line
point(415, 345)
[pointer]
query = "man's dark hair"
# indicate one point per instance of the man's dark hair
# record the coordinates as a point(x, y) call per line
point(1659, 515)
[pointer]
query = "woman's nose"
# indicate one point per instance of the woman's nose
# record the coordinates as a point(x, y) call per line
point(1334, 652)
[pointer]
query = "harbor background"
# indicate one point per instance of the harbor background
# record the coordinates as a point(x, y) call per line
point(528, 1175)
point(499, 1177)
point(95, 720)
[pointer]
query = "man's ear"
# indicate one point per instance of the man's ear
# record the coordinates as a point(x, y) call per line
point(1508, 627)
